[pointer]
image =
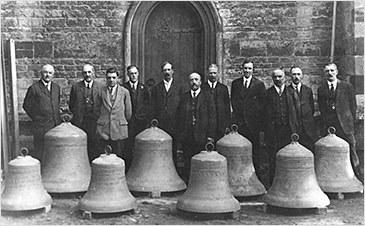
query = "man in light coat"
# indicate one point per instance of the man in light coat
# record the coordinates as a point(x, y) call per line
point(115, 111)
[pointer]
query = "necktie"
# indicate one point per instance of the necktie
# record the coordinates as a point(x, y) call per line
point(48, 86)
point(88, 85)
point(194, 94)
point(111, 90)
point(332, 88)
point(246, 84)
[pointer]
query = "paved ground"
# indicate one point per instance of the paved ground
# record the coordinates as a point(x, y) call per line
point(349, 211)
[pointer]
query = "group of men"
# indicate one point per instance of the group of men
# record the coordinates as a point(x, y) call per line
point(114, 114)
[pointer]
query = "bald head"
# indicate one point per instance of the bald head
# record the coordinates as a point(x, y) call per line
point(278, 76)
point(195, 81)
point(47, 73)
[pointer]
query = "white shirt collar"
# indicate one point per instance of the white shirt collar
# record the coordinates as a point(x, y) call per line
point(132, 84)
point(210, 84)
point(334, 84)
point(299, 86)
point(167, 84)
point(114, 88)
point(196, 92)
point(91, 83)
point(279, 89)
point(248, 80)
point(47, 85)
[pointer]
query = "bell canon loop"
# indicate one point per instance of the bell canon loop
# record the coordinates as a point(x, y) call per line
point(65, 163)
point(208, 190)
point(152, 168)
point(333, 165)
point(241, 172)
point(295, 183)
point(23, 185)
point(108, 191)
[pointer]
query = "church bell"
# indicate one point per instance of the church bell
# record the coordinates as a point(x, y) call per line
point(208, 188)
point(333, 165)
point(295, 183)
point(65, 163)
point(108, 191)
point(241, 172)
point(23, 185)
point(152, 168)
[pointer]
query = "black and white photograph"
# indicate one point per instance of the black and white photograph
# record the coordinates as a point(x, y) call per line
point(182, 112)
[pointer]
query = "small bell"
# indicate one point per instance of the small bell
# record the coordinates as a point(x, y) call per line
point(23, 185)
point(108, 191)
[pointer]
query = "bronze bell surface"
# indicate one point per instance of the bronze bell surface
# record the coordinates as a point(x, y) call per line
point(23, 185)
point(333, 166)
point(241, 172)
point(65, 163)
point(152, 168)
point(208, 188)
point(295, 184)
point(108, 191)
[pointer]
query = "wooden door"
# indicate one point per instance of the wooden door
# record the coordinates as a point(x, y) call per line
point(174, 33)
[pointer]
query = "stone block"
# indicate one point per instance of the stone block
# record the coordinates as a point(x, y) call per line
point(280, 48)
point(358, 83)
point(43, 49)
point(23, 45)
point(24, 53)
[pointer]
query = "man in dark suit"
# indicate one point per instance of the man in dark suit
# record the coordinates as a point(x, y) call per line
point(280, 118)
point(115, 111)
point(196, 117)
point(83, 96)
point(337, 104)
point(140, 100)
point(221, 100)
point(247, 96)
point(42, 104)
point(165, 97)
point(304, 107)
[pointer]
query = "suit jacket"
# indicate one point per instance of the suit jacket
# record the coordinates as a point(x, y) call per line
point(113, 119)
point(269, 114)
point(345, 105)
point(43, 107)
point(164, 105)
point(77, 100)
point(205, 117)
point(248, 104)
point(306, 120)
point(141, 102)
point(222, 105)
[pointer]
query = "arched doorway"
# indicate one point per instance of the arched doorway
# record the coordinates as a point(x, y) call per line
point(184, 33)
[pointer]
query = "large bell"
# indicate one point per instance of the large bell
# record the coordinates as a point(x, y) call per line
point(241, 172)
point(23, 185)
point(108, 191)
point(208, 190)
point(152, 169)
point(65, 163)
point(333, 166)
point(295, 184)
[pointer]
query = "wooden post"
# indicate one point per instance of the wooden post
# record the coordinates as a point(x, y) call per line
point(14, 97)
point(4, 141)
point(333, 31)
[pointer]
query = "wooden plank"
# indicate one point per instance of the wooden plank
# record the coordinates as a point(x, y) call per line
point(14, 96)
point(4, 142)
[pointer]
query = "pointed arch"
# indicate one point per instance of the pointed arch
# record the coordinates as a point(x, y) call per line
point(136, 19)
